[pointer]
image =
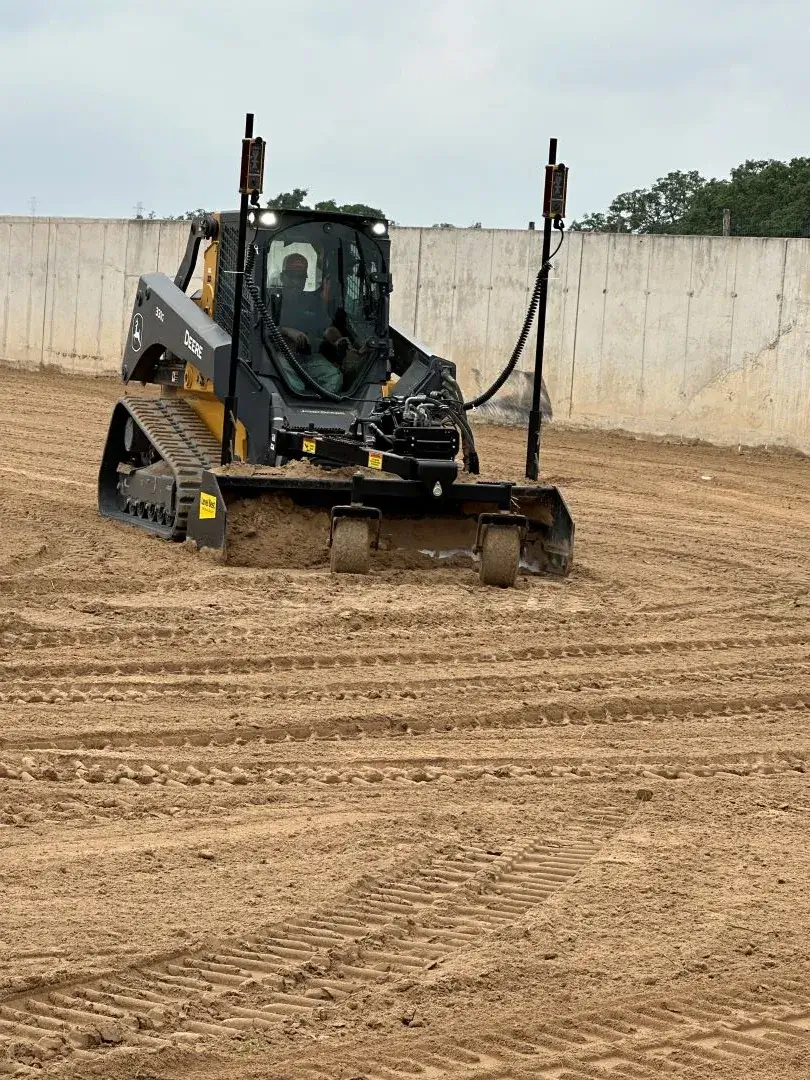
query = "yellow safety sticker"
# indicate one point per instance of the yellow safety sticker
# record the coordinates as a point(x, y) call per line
point(375, 461)
point(208, 506)
point(308, 446)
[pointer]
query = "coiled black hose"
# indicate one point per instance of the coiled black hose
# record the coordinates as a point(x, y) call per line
point(275, 335)
point(491, 391)
point(454, 399)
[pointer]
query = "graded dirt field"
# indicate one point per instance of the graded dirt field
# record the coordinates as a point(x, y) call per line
point(268, 824)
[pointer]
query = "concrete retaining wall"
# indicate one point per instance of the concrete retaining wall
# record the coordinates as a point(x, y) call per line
point(701, 337)
point(67, 287)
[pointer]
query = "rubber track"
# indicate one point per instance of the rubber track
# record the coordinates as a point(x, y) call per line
point(184, 443)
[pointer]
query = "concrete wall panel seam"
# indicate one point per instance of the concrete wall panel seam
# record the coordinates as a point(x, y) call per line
point(733, 309)
point(78, 293)
point(576, 328)
point(418, 285)
point(46, 295)
point(454, 296)
point(487, 352)
point(782, 289)
point(644, 325)
point(7, 284)
point(688, 314)
point(124, 314)
point(30, 290)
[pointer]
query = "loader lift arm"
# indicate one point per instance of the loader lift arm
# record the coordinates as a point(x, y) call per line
point(204, 227)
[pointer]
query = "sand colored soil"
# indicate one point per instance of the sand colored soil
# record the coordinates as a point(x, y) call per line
point(267, 823)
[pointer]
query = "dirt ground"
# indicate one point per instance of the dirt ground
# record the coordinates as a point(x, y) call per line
point(268, 824)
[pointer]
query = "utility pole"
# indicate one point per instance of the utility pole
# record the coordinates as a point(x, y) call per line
point(553, 214)
point(727, 222)
point(32, 205)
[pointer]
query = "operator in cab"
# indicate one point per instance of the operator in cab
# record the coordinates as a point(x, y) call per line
point(305, 321)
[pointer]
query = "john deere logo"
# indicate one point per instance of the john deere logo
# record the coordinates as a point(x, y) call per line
point(137, 332)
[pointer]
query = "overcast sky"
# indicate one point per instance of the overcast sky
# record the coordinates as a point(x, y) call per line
point(436, 110)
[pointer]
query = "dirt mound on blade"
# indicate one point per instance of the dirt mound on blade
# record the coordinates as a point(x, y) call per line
point(303, 470)
point(272, 532)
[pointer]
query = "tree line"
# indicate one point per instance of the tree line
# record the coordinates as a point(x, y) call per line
point(294, 200)
point(760, 198)
point(285, 200)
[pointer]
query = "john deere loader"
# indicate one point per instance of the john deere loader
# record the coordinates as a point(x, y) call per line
point(321, 377)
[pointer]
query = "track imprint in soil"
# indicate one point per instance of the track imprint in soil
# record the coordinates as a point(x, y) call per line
point(632, 1042)
point(439, 738)
point(98, 769)
point(401, 925)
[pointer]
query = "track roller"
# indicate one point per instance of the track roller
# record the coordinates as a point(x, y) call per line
point(350, 546)
point(500, 555)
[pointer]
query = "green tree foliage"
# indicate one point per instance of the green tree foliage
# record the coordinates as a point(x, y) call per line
point(295, 200)
point(657, 209)
point(289, 200)
point(361, 209)
point(765, 198)
point(286, 200)
point(188, 216)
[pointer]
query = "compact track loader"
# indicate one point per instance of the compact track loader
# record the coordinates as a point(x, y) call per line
point(336, 414)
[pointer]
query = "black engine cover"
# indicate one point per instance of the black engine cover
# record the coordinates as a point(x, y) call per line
point(425, 442)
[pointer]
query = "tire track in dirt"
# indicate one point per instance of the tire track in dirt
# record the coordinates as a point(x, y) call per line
point(233, 651)
point(705, 526)
point(680, 563)
point(385, 659)
point(630, 1042)
point(702, 605)
point(143, 687)
point(20, 564)
point(390, 926)
point(531, 714)
point(98, 770)
point(19, 681)
point(682, 623)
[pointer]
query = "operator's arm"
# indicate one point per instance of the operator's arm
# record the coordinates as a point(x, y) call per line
point(297, 337)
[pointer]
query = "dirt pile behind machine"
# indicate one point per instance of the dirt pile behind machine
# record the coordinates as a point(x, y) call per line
point(307, 370)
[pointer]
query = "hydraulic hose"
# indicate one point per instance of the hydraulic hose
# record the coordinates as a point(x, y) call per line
point(275, 335)
point(524, 333)
point(455, 402)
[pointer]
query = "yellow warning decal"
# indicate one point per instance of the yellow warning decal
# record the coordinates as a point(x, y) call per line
point(308, 446)
point(208, 506)
point(375, 461)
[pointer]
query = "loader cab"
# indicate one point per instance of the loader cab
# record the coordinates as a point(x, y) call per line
point(325, 281)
